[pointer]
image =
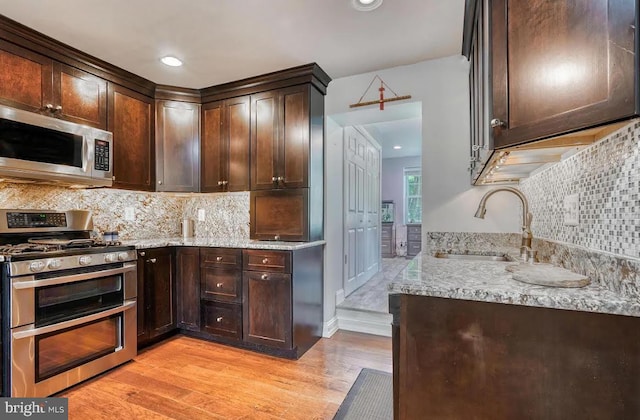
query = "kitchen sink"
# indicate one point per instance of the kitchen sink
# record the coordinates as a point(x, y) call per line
point(474, 257)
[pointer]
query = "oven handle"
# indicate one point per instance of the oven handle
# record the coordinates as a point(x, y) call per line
point(74, 277)
point(73, 322)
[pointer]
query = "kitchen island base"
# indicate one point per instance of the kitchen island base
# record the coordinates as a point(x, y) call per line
point(457, 359)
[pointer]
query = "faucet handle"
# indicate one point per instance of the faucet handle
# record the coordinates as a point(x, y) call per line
point(532, 256)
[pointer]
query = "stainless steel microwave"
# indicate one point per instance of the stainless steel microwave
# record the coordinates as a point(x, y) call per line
point(41, 148)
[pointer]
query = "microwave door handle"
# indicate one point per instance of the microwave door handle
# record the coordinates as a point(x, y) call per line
point(30, 284)
point(87, 155)
point(73, 322)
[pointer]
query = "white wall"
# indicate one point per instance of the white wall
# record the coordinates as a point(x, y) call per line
point(449, 200)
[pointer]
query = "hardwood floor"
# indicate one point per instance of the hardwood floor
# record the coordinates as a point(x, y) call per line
point(186, 378)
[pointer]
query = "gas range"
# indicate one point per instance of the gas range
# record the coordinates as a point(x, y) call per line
point(68, 301)
point(51, 241)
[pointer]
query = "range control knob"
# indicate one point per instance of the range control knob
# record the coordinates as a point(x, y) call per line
point(36, 266)
point(110, 258)
point(123, 256)
point(84, 260)
point(55, 263)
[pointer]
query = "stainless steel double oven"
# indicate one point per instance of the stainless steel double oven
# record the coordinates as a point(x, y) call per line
point(71, 314)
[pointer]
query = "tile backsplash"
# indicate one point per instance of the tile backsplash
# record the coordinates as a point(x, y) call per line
point(606, 177)
point(157, 215)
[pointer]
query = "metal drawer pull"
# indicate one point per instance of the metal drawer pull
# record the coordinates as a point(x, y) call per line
point(218, 259)
point(218, 285)
point(265, 260)
point(153, 260)
point(264, 277)
point(219, 319)
point(142, 253)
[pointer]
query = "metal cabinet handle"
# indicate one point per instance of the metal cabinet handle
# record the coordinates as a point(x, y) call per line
point(219, 319)
point(265, 260)
point(160, 182)
point(264, 277)
point(152, 260)
point(218, 258)
point(219, 182)
point(277, 237)
point(58, 108)
point(142, 253)
point(496, 122)
point(225, 182)
point(274, 179)
point(218, 285)
point(280, 179)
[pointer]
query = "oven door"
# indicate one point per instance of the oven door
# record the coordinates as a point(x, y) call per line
point(42, 299)
point(48, 359)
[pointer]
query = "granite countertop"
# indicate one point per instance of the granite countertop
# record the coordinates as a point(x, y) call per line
point(214, 242)
point(488, 281)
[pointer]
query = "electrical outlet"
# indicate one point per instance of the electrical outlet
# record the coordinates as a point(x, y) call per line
point(201, 215)
point(129, 214)
point(571, 210)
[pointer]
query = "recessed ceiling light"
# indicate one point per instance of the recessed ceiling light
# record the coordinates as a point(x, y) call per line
point(171, 61)
point(366, 5)
point(397, 147)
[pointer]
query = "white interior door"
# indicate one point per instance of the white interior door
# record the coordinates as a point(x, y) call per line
point(362, 218)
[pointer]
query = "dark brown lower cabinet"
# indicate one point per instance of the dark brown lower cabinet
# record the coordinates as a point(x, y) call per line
point(282, 299)
point(267, 314)
point(188, 282)
point(457, 359)
point(156, 294)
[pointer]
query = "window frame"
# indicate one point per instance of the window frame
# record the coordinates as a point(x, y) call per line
point(415, 171)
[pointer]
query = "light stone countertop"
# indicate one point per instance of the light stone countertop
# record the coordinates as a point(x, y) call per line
point(488, 281)
point(214, 242)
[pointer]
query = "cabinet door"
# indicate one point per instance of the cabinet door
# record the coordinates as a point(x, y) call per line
point(131, 122)
point(79, 96)
point(293, 150)
point(212, 149)
point(177, 146)
point(280, 215)
point(560, 66)
point(188, 283)
point(141, 300)
point(238, 123)
point(26, 79)
point(264, 140)
point(267, 309)
point(162, 316)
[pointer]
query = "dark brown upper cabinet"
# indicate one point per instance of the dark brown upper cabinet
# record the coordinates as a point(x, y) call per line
point(36, 83)
point(177, 146)
point(131, 117)
point(225, 145)
point(280, 138)
point(558, 66)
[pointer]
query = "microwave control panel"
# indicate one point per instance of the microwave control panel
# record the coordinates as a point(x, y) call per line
point(101, 156)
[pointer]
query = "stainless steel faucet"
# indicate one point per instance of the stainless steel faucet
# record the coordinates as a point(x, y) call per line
point(525, 246)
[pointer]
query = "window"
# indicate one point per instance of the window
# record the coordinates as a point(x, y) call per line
point(412, 195)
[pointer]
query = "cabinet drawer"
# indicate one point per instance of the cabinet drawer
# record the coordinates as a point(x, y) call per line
point(220, 257)
point(414, 237)
point(222, 319)
point(221, 284)
point(414, 248)
point(385, 248)
point(274, 261)
point(385, 234)
point(414, 229)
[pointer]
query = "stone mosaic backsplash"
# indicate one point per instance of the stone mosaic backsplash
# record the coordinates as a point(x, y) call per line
point(606, 177)
point(157, 215)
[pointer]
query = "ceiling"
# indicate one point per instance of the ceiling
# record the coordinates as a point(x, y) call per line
point(404, 133)
point(226, 40)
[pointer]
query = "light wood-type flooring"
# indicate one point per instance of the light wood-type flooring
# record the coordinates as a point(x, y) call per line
point(187, 378)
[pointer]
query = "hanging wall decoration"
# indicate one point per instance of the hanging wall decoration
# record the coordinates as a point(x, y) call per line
point(382, 99)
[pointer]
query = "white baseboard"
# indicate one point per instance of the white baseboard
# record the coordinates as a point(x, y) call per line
point(339, 297)
point(330, 327)
point(365, 322)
